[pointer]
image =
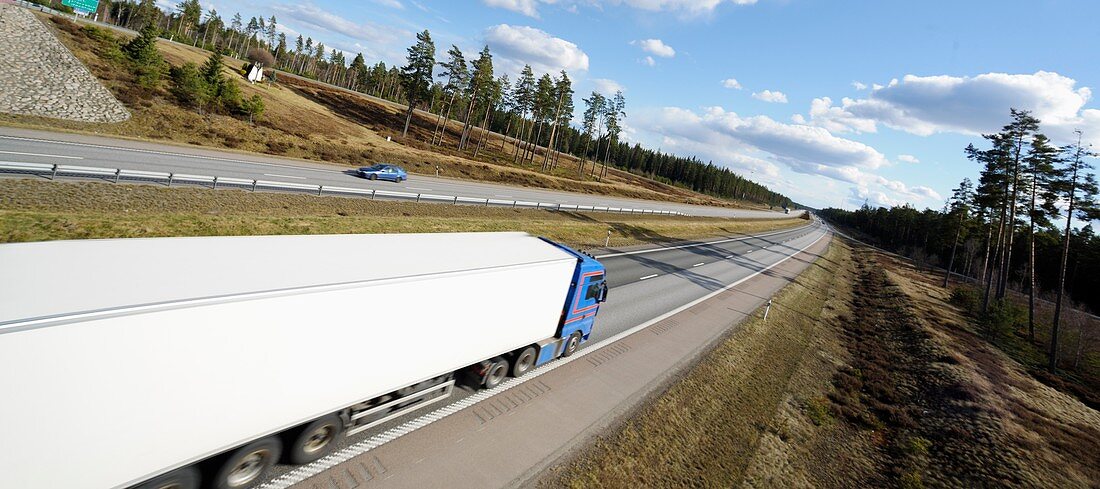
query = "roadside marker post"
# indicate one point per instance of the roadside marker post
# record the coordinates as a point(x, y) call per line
point(608, 240)
point(767, 309)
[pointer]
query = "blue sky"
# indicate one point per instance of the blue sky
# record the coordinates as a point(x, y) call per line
point(830, 102)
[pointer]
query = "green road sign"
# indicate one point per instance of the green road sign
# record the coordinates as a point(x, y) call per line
point(82, 5)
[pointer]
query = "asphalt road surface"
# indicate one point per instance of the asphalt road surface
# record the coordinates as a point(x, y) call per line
point(31, 146)
point(649, 282)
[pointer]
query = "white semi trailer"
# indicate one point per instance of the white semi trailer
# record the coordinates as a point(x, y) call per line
point(161, 362)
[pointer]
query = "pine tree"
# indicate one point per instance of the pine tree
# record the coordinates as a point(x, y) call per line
point(959, 205)
point(595, 104)
point(146, 63)
point(524, 96)
point(481, 78)
point(457, 75)
point(1038, 175)
point(1077, 187)
point(416, 76)
point(563, 113)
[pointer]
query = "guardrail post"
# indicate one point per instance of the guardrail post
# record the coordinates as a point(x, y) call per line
point(537, 204)
point(118, 173)
point(54, 175)
point(215, 182)
point(513, 204)
point(320, 188)
point(455, 202)
point(418, 198)
point(372, 194)
point(171, 176)
point(559, 207)
point(486, 202)
point(253, 185)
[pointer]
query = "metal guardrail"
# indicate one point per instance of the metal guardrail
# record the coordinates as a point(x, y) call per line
point(116, 175)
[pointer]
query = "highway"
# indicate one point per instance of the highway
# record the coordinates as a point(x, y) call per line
point(32, 146)
point(647, 284)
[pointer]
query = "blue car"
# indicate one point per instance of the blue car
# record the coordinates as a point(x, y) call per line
point(392, 173)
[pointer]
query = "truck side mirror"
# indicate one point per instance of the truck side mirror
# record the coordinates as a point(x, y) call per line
point(603, 293)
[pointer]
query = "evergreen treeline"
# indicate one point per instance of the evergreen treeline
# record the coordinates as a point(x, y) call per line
point(531, 112)
point(1015, 226)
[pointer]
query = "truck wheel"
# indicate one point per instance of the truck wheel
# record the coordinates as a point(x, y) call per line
point(185, 478)
point(247, 465)
point(312, 440)
point(498, 371)
point(524, 361)
point(572, 344)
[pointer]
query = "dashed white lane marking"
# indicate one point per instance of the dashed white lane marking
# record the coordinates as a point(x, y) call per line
point(697, 265)
point(419, 188)
point(42, 155)
point(166, 153)
point(730, 256)
point(648, 276)
point(283, 176)
point(692, 245)
point(750, 251)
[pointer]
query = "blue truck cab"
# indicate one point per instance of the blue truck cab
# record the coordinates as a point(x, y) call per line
point(587, 290)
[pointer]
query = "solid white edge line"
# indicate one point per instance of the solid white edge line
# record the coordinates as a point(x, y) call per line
point(283, 176)
point(42, 155)
point(692, 245)
point(306, 471)
point(697, 265)
point(647, 277)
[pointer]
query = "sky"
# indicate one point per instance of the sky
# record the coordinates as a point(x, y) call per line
point(832, 103)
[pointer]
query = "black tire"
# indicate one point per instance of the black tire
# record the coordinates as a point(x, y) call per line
point(524, 361)
point(498, 372)
point(572, 344)
point(246, 466)
point(372, 177)
point(312, 441)
point(185, 478)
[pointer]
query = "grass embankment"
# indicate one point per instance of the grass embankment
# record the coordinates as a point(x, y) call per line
point(311, 121)
point(863, 375)
point(33, 210)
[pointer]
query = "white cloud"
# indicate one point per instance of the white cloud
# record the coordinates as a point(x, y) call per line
point(390, 3)
point(926, 105)
point(859, 85)
point(771, 96)
point(607, 86)
point(655, 47)
point(323, 20)
point(836, 119)
point(649, 61)
point(525, 7)
point(515, 46)
point(763, 145)
point(690, 8)
point(731, 83)
point(908, 159)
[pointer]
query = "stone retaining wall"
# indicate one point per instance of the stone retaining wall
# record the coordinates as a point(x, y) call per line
point(39, 76)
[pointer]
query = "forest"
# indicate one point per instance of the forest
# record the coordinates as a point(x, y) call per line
point(1024, 226)
point(533, 111)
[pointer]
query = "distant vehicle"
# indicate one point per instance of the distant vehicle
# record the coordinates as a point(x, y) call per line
point(786, 210)
point(392, 173)
point(155, 377)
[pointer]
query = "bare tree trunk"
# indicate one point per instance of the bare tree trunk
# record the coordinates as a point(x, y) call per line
point(954, 246)
point(1052, 357)
point(1031, 265)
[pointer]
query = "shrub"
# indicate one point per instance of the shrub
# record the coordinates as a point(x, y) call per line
point(262, 56)
point(1002, 317)
point(965, 297)
point(254, 107)
point(190, 88)
point(145, 60)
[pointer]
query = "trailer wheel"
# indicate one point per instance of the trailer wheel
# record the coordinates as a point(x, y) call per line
point(247, 465)
point(312, 441)
point(572, 344)
point(185, 478)
point(498, 371)
point(525, 359)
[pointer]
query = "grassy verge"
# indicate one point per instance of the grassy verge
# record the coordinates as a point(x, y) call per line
point(33, 210)
point(306, 120)
point(864, 375)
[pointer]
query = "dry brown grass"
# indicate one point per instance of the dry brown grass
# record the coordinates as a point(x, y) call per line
point(35, 210)
point(306, 120)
